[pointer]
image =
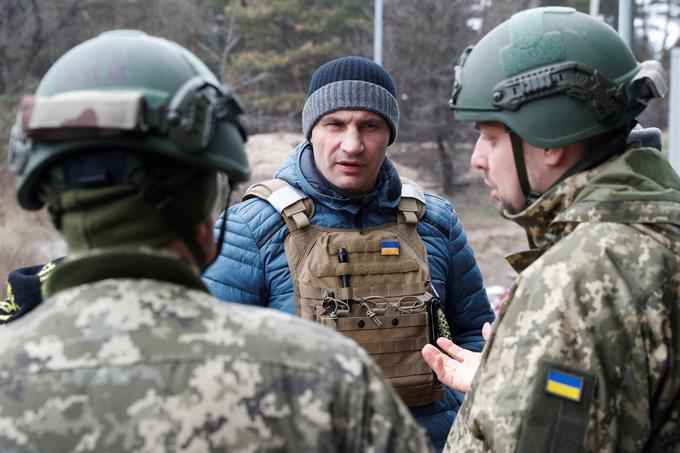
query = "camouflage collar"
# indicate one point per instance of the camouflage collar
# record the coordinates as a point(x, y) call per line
point(636, 186)
point(122, 263)
point(541, 219)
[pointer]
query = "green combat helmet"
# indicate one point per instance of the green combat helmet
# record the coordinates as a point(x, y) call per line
point(129, 91)
point(128, 113)
point(553, 77)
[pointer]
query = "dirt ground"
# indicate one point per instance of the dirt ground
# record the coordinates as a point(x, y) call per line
point(28, 238)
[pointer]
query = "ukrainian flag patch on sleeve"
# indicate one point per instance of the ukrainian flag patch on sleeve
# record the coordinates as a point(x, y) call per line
point(389, 248)
point(564, 385)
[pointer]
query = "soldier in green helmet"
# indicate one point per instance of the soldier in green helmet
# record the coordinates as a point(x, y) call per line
point(123, 141)
point(585, 353)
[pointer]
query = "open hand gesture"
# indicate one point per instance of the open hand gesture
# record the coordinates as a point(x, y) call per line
point(458, 368)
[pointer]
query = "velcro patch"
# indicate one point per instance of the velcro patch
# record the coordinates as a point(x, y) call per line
point(389, 248)
point(564, 385)
point(557, 414)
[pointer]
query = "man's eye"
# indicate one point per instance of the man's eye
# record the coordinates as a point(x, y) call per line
point(489, 140)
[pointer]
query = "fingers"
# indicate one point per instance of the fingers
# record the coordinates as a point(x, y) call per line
point(486, 331)
point(452, 349)
point(444, 343)
point(433, 358)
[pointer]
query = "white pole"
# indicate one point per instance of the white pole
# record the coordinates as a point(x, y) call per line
point(626, 21)
point(594, 8)
point(674, 111)
point(378, 32)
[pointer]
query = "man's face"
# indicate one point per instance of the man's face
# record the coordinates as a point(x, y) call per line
point(349, 148)
point(493, 156)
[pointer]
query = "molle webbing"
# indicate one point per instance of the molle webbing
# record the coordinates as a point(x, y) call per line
point(396, 290)
point(383, 347)
point(380, 322)
point(338, 269)
point(371, 285)
point(394, 340)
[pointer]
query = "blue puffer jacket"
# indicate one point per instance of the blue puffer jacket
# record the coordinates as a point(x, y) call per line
point(252, 267)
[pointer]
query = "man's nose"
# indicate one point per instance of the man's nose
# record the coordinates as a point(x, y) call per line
point(352, 141)
point(478, 159)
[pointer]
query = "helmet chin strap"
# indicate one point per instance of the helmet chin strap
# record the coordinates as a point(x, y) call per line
point(521, 168)
point(223, 224)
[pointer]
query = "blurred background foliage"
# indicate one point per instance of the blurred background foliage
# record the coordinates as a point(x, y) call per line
point(268, 49)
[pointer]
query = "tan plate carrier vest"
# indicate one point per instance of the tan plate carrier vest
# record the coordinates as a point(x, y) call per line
point(349, 281)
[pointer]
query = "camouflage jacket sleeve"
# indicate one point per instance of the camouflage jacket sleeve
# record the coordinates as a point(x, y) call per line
point(582, 355)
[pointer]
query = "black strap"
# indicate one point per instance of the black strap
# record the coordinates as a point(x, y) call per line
point(223, 225)
point(521, 168)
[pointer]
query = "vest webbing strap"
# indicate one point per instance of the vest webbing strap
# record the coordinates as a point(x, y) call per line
point(366, 323)
point(411, 194)
point(338, 269)
point(356, 246)
point(289, 201)
point(409, 391)
point(387, 346)
point(406, 369)
point(310, 292)
point(297, 213)
point(408, 207)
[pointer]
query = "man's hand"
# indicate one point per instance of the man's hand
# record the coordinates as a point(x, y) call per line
point(458, 370)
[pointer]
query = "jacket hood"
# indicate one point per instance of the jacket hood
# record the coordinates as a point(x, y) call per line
point(299, 170)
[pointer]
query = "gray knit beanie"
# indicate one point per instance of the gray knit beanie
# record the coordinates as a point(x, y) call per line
point(351, 83)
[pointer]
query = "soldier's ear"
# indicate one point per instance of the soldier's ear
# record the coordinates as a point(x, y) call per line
point(554, 157)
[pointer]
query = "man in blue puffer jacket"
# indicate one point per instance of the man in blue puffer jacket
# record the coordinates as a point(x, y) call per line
point(349, 120)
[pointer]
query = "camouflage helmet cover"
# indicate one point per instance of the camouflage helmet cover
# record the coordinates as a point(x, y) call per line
point(129, 91)
point(554, 76)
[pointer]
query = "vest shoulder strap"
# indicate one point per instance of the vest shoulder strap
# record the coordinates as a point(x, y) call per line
point(412, 205)
point(294, 205)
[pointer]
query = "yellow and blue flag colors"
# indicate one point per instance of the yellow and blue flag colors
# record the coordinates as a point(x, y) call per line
point(564, 385)
point(389, 248)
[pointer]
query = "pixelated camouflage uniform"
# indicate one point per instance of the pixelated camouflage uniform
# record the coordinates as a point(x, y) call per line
point(129, 353)
point(601, 301)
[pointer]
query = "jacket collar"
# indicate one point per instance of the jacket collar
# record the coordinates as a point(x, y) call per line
point(636, 186)
point(299, 170)
point(141, 263)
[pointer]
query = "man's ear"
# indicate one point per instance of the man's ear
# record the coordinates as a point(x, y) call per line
point(554, 157)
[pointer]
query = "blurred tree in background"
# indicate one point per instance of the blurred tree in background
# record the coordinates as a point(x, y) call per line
point(285, 41)
point(423, 40)
point(268, 50)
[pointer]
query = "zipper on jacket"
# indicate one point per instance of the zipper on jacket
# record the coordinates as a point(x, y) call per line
point(358, 219)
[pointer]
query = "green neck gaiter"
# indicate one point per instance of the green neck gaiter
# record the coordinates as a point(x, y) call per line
point(121, 216)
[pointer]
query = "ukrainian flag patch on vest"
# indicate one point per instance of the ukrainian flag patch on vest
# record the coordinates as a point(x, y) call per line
point(389, 247)
point(564, 385)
